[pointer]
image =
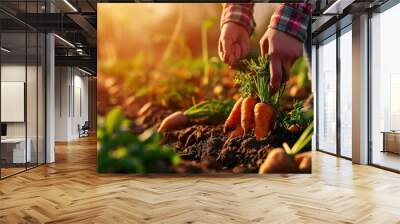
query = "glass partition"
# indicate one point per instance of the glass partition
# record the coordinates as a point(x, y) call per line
point(31, 97)
point(14, 151)
point(32, 100)
point(22, 88)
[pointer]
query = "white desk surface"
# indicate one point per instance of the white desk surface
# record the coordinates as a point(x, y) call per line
point(13, 140)
point(21, 154)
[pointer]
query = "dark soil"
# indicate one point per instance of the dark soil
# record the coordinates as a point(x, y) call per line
point(208, 145)
point(204, 147)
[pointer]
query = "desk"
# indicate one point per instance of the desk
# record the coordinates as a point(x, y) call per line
point(16, 147)
point(391, 141)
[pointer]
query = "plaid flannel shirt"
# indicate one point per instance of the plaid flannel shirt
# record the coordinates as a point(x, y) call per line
point(292, 18)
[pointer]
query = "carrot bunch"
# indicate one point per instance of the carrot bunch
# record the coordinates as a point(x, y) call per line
point(290, 160)
point(256, 109)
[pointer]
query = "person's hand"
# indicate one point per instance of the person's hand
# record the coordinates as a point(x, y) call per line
point(283, 50)
point(233, 43)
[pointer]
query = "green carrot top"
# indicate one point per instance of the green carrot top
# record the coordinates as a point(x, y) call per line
point(254, 78)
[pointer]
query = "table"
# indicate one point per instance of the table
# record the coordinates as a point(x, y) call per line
point(391, 141)
point(16, 147)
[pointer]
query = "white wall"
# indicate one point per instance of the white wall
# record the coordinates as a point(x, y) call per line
point(71, 94)
point(16, 73)
point(61, 103)
point(80, 102)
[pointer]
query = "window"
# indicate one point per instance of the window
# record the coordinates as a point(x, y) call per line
point(346, 75)
point(385, 89)
point(327, 96)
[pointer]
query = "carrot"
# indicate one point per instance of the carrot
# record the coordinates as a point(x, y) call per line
point(234, 117)
point(237, 132)
point(173, 121)
point(306, 165)
point(303, 161)
point(264, 116)
point(146, 107)
point(299, 157)
point(288, 160)
point(278, 161)
point(294, 128)
point(247, 119)
point(264, 112)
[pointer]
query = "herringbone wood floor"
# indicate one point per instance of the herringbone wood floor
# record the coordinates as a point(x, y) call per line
point(70, 191)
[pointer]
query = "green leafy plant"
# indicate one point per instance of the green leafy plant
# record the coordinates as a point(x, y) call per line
point(262, 90)
point(213, 110)
point(174, 91)
point(261, 82)
point(246, 84)
point(122, 151)
point(243, 77)
point(253, 77)
point(300, 68)
point(207, 24)
point(296, 116)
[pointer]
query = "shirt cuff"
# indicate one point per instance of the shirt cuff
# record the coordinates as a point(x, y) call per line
point(293, 21)
point(239, 13)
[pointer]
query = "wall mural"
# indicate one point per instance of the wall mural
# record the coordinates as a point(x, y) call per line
point(204, 88)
